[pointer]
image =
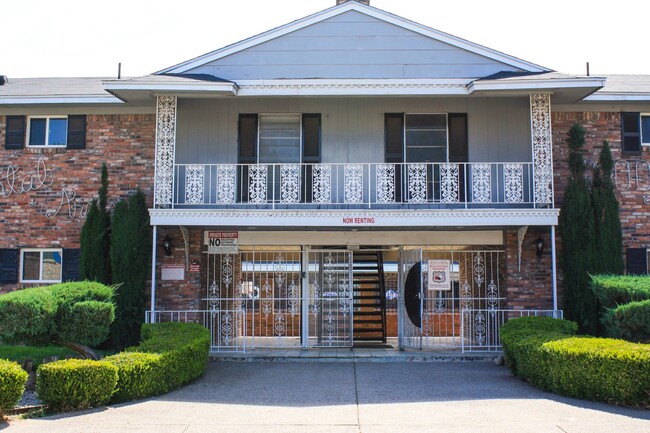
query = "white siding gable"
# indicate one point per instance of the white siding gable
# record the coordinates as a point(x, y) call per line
point(352, 45)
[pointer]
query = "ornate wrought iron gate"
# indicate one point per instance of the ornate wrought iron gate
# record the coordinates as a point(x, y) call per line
point(455, 318)
point(279, 299)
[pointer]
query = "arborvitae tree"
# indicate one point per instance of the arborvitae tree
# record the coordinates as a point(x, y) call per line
point(94, 260)
point(577, 229)
point(608, 257)
point(130, 257)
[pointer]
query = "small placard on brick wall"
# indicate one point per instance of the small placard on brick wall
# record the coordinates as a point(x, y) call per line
point(195, 268)
point(172, 272)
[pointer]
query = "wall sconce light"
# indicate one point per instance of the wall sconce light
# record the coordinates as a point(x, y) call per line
point(539, 247)
point(167, 245)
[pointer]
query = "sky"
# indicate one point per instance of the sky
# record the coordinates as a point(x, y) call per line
point(88, 38)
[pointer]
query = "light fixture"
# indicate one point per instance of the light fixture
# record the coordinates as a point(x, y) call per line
point(539, 247)
point(167, 245)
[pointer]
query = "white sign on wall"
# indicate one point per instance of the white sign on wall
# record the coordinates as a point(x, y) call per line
point(222, 242)
point(439, 275)
point(172, 272)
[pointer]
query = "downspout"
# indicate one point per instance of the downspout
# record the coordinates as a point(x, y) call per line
point(553, 266)
point(152, 314)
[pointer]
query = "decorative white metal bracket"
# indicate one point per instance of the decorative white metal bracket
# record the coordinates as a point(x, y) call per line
point(521, 234)
point(186, 243)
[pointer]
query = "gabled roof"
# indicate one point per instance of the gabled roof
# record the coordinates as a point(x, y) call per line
point(364, 9)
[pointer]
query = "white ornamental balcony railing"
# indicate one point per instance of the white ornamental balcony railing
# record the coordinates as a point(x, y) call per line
point(356, 186)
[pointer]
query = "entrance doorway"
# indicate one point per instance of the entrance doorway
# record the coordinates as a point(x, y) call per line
point(298, 297)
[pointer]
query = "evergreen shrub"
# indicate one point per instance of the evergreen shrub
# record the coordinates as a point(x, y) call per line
point(615, 290)
point(546, 353)
point(66, 312)
point(12, 385)
point(171, 355)
point(75, 384)
point(629, 321)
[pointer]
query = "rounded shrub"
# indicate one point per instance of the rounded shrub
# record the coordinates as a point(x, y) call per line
point(546, 353)
point(76, 384)
point(87, 322)
point(12, 385)
point(602, 369)
point(630, 322)
point(28, 315)
point(170, 355)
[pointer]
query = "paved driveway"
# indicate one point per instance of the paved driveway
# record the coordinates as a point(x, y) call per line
point(348, 397)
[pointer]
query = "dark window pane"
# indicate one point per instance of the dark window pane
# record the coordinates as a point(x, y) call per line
point(31, 265)
point(426, 138)
point(394, 131)
point(37, 132)
point(631, 143)
point(630, 122)
point(426, 154)
point(645, 129)
point(58, 132)
point(426, 121)
point(311, 137)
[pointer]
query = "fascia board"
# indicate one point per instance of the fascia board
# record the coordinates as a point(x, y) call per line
point(618, 97)
point(34, 100)
point(549, 84)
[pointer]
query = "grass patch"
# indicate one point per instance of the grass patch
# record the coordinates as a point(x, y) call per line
point(35, 353)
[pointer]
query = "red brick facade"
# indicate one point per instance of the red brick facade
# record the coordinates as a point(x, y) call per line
point(634, 211)
point(124, 142)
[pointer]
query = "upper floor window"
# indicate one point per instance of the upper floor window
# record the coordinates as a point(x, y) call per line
point(57, 131)
point(41, 265)
point(635, 132)
point(279, 138)
point(425, 138)
point(47, 131)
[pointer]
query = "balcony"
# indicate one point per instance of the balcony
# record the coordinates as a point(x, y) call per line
point(356, 186)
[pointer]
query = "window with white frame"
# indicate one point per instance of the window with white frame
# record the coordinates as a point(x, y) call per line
point(279, 138)
point(645, 129)
point(425, 137)
point(41, 265)
point(47, 131)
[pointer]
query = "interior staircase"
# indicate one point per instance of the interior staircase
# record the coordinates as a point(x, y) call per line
point(369, 323)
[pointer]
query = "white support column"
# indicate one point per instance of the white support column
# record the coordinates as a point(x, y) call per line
point(542, 148)
point(553, 267)
point(165, 151)
point(152, 318)
point(305, 298)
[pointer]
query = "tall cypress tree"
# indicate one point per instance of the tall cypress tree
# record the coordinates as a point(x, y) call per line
point(130, 255)
point(577, 229)
point(95, 239)
point(608, 257)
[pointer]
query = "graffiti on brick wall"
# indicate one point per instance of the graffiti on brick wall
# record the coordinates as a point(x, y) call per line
point(633, 175)
point(14, 181)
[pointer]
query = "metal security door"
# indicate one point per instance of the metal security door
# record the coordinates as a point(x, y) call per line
point(410, 299)
point(327, 298)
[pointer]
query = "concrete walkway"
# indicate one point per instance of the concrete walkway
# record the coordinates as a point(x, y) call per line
point(351, 397)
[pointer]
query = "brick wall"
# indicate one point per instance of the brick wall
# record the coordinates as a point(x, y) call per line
point(634, 212)
point(124, 142)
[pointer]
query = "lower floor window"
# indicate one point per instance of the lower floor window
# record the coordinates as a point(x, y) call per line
point(41, 265)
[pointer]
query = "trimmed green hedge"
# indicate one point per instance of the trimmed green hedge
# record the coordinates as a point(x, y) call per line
point(12, 385)
point(615, 290)
point(35, 353)
point(67, 311)
point(76, 384)
point(170, 355)
point(630, 322)
point(546, 353)
point(601, 369)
